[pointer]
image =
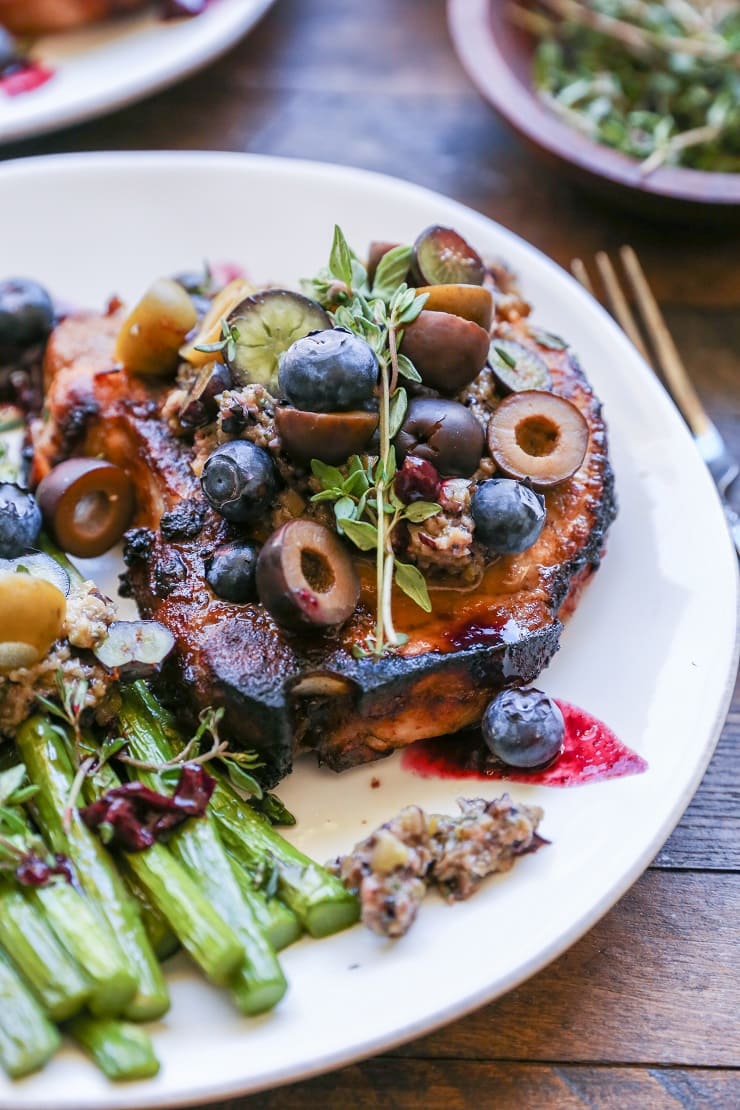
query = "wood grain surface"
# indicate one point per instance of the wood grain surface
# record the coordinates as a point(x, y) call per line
point(645, 1010)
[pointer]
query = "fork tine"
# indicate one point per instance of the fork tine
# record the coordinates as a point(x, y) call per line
point(618, 303)
point(675, 372)
point(580, 273)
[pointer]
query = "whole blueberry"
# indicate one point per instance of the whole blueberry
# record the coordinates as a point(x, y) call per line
point(523, 728)
point(26, 316)
point(509, 516)
point(20, 520)
point(230, 572)
point(329, 371)
point(239, 480)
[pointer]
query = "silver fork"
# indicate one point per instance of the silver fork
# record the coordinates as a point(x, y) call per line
point(712, 448)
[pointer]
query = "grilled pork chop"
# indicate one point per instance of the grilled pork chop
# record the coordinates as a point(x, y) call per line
point(285, 693)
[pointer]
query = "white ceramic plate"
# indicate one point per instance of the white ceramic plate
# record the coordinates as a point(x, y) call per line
point(651, 649)
point(110, 64)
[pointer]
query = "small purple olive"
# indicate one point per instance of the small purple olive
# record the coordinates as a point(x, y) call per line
point(443, 433)
point(135, 649)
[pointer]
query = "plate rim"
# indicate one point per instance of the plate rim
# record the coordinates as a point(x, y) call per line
point(109, 100)
point(469, 28)
point(151, 161)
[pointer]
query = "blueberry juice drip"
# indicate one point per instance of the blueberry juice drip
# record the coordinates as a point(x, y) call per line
point(591, 753)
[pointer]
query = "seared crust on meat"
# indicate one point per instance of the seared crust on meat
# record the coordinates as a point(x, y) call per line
point(285, 693)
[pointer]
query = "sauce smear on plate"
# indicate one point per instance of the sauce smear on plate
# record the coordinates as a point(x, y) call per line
point(591, 753)
point(24, 78)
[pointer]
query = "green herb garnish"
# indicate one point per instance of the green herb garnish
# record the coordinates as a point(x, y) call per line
point(659, 82)
point(366, 506)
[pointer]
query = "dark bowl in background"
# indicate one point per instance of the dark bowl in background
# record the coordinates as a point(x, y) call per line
point(497, 56)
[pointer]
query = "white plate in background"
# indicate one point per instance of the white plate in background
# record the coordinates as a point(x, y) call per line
point(110, 64)
point(650, 649)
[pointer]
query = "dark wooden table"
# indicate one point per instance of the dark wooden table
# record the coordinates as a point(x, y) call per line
point(644, 1012)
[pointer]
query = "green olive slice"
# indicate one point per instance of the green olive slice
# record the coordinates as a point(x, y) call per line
point(151, 335)
point(87, 505)
point(32, 613)
point(516, 367)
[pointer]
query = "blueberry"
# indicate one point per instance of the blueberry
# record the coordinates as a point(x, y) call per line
point(329, 371)
point(10, 56)
point(230, 572)
point(26, 316)
point(239, 480)
point(508, 515)
point(20, 520)
point(523, 728)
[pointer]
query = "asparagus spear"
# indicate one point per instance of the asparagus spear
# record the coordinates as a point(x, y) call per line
point(197, 924)
point(120, 1050)
point(27, 1037)
point(78, 929)
point(56, 980)
point(259, 983)
point(279, 924)
point(203, 933)
point(162, 939)
point(319, 900)
point(49, 768)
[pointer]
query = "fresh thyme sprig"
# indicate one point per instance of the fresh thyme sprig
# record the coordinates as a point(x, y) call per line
point(366, 506)
point(227, 343)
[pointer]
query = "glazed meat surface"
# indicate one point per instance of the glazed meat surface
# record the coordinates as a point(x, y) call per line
point(285, 693)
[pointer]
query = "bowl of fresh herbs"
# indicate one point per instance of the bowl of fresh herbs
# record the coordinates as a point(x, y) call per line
point(638, 97)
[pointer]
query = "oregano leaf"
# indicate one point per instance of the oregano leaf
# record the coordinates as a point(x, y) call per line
point(391, 272)
point(362, 534)
point(410, 579)
point(399, 405)
point(340, 259)
point(419, 511)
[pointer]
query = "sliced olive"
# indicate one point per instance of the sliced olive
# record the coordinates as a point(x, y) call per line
point(152, 333)
point(447, 351)
point(266, 324)
point(516, 367)
point(472, 302)
point(305, 577)
point(135, 649)
point(32, 613)
point(38, 565)
point(329, 436)
point(377, 249)
point(87, 505)
point(539, 436)
point(200, 406)
point(210, 330)
point(441, 256)
point(443, 433)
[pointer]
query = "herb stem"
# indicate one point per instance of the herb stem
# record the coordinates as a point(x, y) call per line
point(642, 40)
